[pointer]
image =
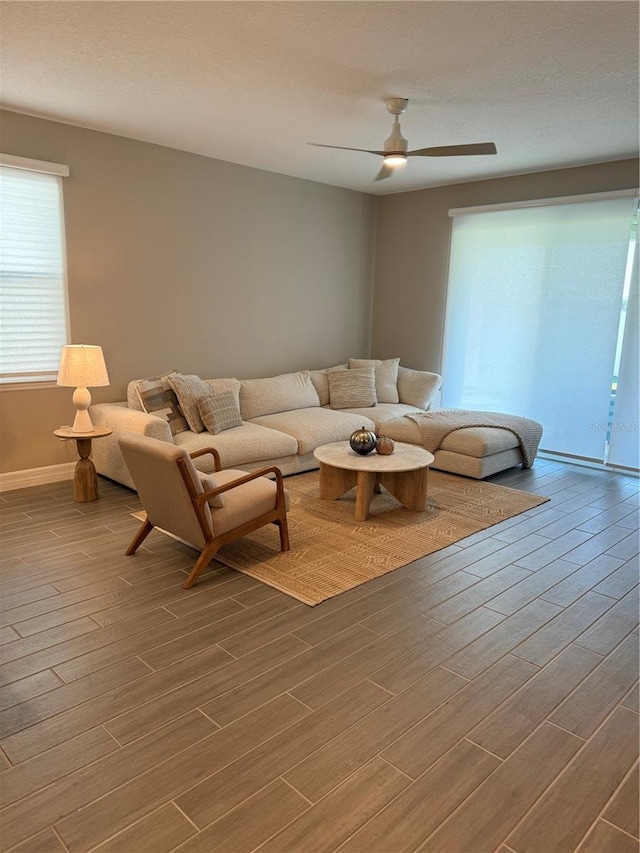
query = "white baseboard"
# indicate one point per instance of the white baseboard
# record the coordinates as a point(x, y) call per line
point(36, 476)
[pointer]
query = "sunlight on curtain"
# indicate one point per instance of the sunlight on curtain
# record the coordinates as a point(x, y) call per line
point(533, 313)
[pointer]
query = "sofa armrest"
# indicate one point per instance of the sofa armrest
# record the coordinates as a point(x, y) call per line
point(106, 453)
point(418, 387)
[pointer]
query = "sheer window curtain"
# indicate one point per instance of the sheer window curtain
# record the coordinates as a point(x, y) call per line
point(533, 327)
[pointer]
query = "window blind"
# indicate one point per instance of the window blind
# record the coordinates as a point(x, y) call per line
point(533, 317)
point(33, 287)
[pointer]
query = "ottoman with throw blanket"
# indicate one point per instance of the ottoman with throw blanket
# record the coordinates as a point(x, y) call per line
point(474, 444)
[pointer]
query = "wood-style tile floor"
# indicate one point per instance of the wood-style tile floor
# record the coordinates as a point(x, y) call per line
point(484, 698)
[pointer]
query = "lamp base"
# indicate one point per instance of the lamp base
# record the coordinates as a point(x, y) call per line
point(82, 401)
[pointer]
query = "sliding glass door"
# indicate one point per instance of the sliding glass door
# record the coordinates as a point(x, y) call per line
point(542, 320)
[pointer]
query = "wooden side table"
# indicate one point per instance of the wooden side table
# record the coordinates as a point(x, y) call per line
point(85, 479)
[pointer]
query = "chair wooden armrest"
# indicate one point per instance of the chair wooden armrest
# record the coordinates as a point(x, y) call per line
point(217, 466)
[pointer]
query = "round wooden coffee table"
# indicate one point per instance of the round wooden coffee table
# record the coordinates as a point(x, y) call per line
point(403, 473)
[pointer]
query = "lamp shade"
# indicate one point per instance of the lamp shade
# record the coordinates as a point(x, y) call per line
point(82, 365)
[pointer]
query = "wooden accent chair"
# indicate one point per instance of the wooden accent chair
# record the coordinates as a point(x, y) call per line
point(205, 511)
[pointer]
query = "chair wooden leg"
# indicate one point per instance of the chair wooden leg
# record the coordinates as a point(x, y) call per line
point(201, 563)
point(139, 538)
point(284, 533)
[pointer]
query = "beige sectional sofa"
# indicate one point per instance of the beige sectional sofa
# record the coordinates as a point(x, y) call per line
point(281, 420)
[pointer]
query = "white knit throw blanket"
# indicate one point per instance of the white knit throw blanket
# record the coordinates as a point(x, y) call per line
point(435, 427)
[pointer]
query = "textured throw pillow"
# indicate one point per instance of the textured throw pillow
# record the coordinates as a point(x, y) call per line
point(277, 394)
point(156, 397)
point(386, 376)
point(217, 501)
point(352, 389)
point(219, 412)
point(189, 389)
point(321, 383)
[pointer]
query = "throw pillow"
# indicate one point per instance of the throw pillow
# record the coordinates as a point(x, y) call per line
point(386, 376)
point(219, 412)
point(217, 501)
point(133, 401)
point(352, 389)
point(156, 397)
point(189, 389)
point(321, 383)
point(417, 387)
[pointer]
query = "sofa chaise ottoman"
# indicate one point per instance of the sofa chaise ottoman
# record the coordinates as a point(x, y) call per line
point(476, 452)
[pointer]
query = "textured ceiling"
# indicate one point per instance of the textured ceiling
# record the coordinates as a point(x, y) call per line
point(553, 84)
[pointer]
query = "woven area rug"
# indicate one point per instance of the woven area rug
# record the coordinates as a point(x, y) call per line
point(331, 552)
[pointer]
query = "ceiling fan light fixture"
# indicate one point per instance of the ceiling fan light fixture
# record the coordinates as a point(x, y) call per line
point(395, 160)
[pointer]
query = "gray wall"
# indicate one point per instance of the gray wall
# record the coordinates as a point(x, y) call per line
point(180, 261)
point(412, 251)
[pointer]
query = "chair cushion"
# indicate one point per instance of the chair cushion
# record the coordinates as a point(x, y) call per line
point(245, 502)
point(313, 427)
point(386, 376)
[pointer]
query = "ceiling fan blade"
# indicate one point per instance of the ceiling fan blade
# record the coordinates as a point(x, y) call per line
point(344, 148)
point(455, 150)
point(385, 172)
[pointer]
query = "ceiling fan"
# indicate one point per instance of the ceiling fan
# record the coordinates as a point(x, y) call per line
point(395, 147)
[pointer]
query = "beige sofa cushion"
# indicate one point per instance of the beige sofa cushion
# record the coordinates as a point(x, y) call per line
point(417, 387)
point(386, 376)
point(313, 427)
point(220, 386)
point(349, 389)
point(244, 444)
point(384, 412)
point(283, 393)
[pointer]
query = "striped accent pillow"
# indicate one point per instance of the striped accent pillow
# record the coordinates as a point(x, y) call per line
point(157, 398)
point(352, 389)
point(219, 411)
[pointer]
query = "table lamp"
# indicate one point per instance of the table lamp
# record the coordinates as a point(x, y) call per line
point(82, 366)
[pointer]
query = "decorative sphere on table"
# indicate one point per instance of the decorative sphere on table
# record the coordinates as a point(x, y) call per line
point(384, 445)
point(363, 441)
